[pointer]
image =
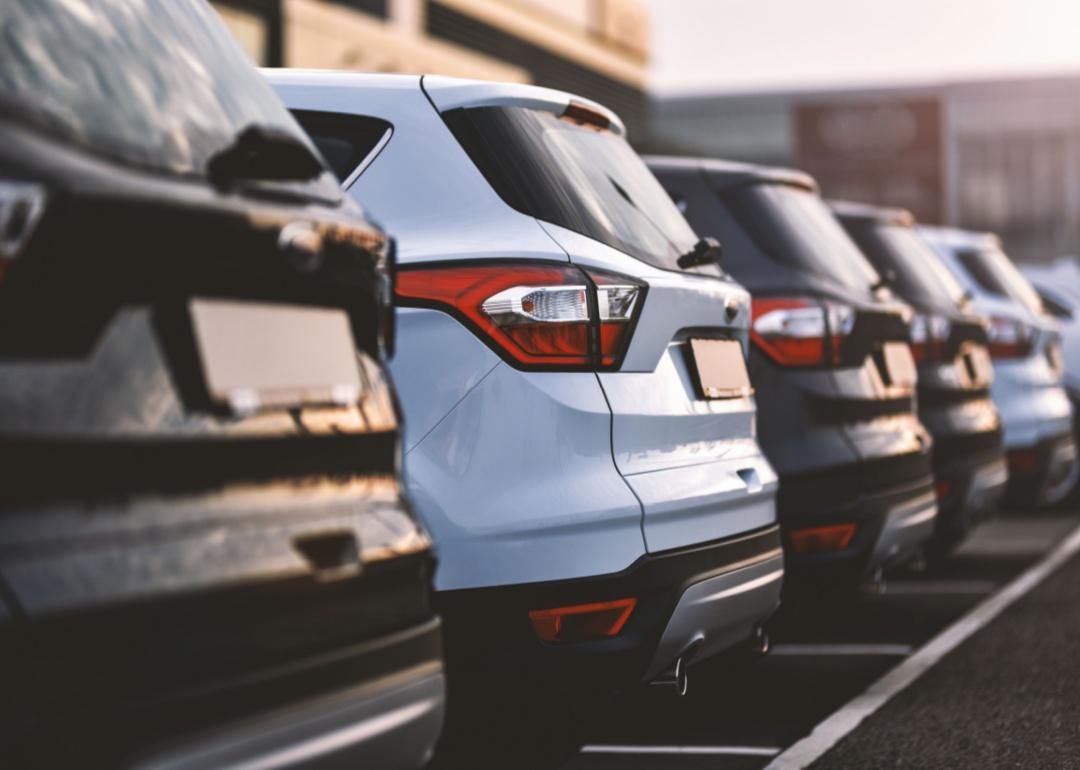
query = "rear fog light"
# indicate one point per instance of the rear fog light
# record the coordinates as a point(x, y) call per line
point(835, 537)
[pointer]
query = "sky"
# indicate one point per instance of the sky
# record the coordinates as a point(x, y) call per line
point(745, 45)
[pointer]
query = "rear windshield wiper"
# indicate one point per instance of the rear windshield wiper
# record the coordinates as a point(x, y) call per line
point(706, 251)
point(886, 278)
point(264, 152)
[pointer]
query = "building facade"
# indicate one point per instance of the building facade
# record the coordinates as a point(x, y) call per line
point(992, 155)
point(596, 48)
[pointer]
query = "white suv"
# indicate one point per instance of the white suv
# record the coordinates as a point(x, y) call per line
point(580, 428)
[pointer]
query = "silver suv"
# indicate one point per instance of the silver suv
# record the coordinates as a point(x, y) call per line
point(1025, 345)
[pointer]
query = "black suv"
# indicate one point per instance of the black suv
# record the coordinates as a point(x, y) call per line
point(951, 347)
point(831, 366)
point(205, 560)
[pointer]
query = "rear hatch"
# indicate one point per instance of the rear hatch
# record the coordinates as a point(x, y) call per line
point(200, 442)
point(825, 326)
point(672, 364)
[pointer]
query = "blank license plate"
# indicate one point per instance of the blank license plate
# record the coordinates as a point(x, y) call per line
point(268, 356)
point(899, 363)
point(721, 368)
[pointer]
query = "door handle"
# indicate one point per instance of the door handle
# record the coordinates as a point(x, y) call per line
point(751, 478)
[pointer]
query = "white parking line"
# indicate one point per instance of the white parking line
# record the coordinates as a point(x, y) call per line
point(842, 722)
point(841, 649)
point(940, 587)
point(739, 751)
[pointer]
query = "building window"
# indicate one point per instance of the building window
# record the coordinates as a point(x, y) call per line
point(546, 68)
point(374, 7)
point(256, 25)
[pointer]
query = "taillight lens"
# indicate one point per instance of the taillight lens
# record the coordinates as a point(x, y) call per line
point(929, 333)
point(1010, 338)
point(617, 301)
point(548, 316)
point(800, 332)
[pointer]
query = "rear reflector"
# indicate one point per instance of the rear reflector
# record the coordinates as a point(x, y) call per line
point(1022, 460)
point(942, 489)
point(835, 537)
point(582, 622)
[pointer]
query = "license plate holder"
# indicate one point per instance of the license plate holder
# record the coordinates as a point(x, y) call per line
point(720, 367)
point(260, 355)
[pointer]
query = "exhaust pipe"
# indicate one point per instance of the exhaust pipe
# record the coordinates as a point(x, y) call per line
point(675, 677)
point(759, 642)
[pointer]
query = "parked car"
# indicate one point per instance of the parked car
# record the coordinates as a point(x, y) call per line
point(1025, 345)
point(830, 364)
point(1058, 285)
point(950, 345)
point(205, 560)
point(579, 428)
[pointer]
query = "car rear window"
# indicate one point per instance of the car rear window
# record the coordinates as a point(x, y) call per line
point(579, 176)
point(792, 225)
point(345, 141)
point(919, 275)
point(155, 83)
point(995, 273)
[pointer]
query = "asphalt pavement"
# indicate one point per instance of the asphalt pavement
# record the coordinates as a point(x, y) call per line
point(1006, 697)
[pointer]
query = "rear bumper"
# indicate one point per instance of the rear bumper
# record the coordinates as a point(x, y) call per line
point(377, 704)
point(892, 522)
point(971, 474)
point(703, 599)
point(1044, 473)
point(392, 722)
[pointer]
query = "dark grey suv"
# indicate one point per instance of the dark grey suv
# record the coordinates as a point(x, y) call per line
point(205, 560)
point(831, 367)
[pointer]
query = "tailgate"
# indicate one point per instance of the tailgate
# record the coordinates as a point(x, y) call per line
point(683, 413)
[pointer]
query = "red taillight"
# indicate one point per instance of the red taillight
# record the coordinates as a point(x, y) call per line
point(942, 489)
point(1009, 338)
point(929, 333)
point(800, 332)
point(616, 302)
point(835, 537)
point(582, 622)
point(549, 316)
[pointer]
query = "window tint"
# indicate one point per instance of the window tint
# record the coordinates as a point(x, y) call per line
point(794, 226)
point(919, 275)
point(157, 83)
point(345, 141)
point(580, 177)
point(995, 273)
